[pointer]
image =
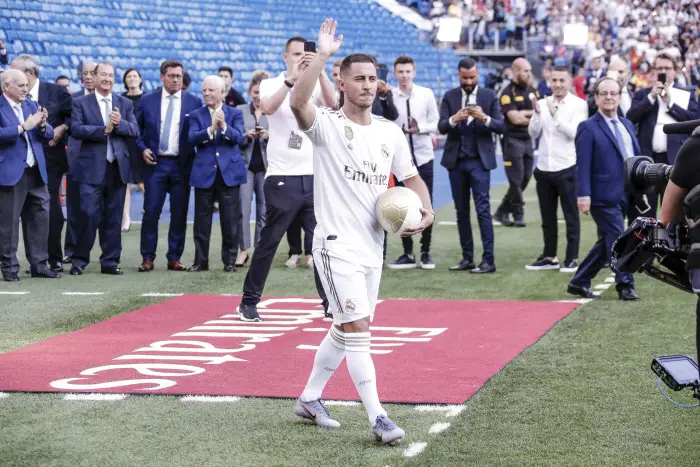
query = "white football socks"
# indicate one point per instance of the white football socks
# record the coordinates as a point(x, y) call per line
point(328, 356)
point(363, 374)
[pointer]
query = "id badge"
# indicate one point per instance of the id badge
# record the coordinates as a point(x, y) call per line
point(295, 141)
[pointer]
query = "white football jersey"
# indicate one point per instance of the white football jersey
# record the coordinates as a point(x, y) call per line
point(352, 166)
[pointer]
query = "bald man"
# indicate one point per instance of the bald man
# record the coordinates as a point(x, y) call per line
point(216, 130)
point(517, 102)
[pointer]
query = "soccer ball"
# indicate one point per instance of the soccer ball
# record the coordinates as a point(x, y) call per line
point(397, 210)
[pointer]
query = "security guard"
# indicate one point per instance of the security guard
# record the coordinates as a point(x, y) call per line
point(517, 102)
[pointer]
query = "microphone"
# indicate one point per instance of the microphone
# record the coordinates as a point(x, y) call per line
point(683, 128)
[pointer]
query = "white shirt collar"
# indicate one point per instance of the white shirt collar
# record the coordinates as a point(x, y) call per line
point(214, 110)
point(100, 97)
point(464, 93)
point(401, 93)
point(12, 103)
point(177, 95)
point(609, 119)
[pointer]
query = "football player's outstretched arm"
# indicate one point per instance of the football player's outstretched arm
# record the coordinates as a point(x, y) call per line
point(327, 45)
point(417, 184)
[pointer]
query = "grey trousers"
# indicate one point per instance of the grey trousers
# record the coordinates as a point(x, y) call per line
point(28, 199)
point(255, 184)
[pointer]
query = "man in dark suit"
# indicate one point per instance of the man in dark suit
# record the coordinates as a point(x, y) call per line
point(23, 178)
point(57, 101)
point(101, 122)
point(603, 142)
point(216, 130)
point(163, 119)
point(87, 79)
point(470, 115)
point(651, 109)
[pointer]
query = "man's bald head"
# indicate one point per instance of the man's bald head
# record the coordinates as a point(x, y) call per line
point(522, 71)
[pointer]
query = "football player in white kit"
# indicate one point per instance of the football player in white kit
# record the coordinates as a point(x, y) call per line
point(354, 153)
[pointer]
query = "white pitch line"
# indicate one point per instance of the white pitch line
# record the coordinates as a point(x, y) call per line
point(560, 221)
point(438, 428)
point(210, 399)
point(610, 279)
point(582, 301)
point(598, 293)
point(82, 293)
point(414, 449)
point(162, 294)
point(450, 410)
point(315, 329)
point(602, 286)
point(4, 395)
point(95, 397)
point(342, 403)
point(447, 223)
point(11, 292)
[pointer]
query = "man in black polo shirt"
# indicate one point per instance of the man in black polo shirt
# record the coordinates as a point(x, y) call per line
point(517, 105)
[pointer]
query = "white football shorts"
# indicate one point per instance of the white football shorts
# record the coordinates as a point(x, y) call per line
point(352, 289)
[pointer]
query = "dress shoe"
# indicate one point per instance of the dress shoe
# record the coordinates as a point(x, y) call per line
point(115, 271)
point(147, 266)
point(67, 259)
point(176, 265)
point(243, 264)
point(503, 218)
point(198, 268)
point(46, 274)
point(484, 268)
point(519, 221)
point(464, 265)
point(581, 291)
point(76, 270)
point(627, 294)
point(10, 277)
point(56, 267)
point(229, 268)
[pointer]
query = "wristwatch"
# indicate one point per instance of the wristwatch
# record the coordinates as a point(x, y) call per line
point(288, 84)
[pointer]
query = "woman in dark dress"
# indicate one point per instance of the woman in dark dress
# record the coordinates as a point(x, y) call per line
point(134, 90)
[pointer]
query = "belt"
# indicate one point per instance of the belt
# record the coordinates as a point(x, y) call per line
point(172, 156)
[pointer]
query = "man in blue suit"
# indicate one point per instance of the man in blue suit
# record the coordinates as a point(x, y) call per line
point(163, 118)
point(603, 142)
point(101, 122)
point(23, 178)
point(216, 130)
point(470, 115)
point(651, 109)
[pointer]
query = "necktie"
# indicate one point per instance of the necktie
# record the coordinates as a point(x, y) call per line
point(165, 135)
point(105, 117)
point(20, 116)
point(620, 140)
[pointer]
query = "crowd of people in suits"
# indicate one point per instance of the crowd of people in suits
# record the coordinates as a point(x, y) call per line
point(170, 141)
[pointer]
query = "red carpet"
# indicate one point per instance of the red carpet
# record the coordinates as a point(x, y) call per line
point(427, 351)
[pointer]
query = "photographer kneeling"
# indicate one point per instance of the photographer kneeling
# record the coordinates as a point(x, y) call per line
point(685, 175)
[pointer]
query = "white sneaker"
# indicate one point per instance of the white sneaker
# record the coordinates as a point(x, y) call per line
point(309, 261)
point(569, 267)
point(293, 261)
point(386, 431)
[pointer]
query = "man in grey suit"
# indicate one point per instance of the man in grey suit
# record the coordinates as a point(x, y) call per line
point(254, 152)
point(23, 179)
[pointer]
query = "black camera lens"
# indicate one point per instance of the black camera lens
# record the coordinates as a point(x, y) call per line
point(642, 175)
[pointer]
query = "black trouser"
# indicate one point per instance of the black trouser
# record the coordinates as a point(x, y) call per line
point(56, 219)
point(294, 239)
point(286, 197)
point(646, 205)
point(28, 199)
point(518, 161)
point(72, 214)
point(426, 173)
point(697, 330)
point(552, 186)
point(228, 198)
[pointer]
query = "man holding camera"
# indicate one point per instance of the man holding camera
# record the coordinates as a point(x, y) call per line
point(603, 142)
point(654, 107)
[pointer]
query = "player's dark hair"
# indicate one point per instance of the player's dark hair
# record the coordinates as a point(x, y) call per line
point(186, 80)
point(602, 80)
point(170, 63)
point(61, 77)
point(466, 63)
point(355, 58)
point(227, 69)
point(292, 40)
point(562, 69)
point(404, 60)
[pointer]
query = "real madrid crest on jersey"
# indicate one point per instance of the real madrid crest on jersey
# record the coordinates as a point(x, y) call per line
point(349, 135)
point(349, 305)
point(385, 151)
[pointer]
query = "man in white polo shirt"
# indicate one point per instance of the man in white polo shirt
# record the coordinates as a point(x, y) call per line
point(418, 117)
point(289, 177)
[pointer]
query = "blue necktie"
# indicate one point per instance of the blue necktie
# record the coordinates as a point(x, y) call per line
point(620, 140)
point(165, 136)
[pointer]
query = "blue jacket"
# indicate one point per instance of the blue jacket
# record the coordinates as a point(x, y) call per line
point(148, 117)
point(13, 147)
point(88, 129)
point(644, 114)
point(451, 103)
point(219, 153)
point(599, 161)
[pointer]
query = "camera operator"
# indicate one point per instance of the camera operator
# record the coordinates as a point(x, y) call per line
point(685, 176)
